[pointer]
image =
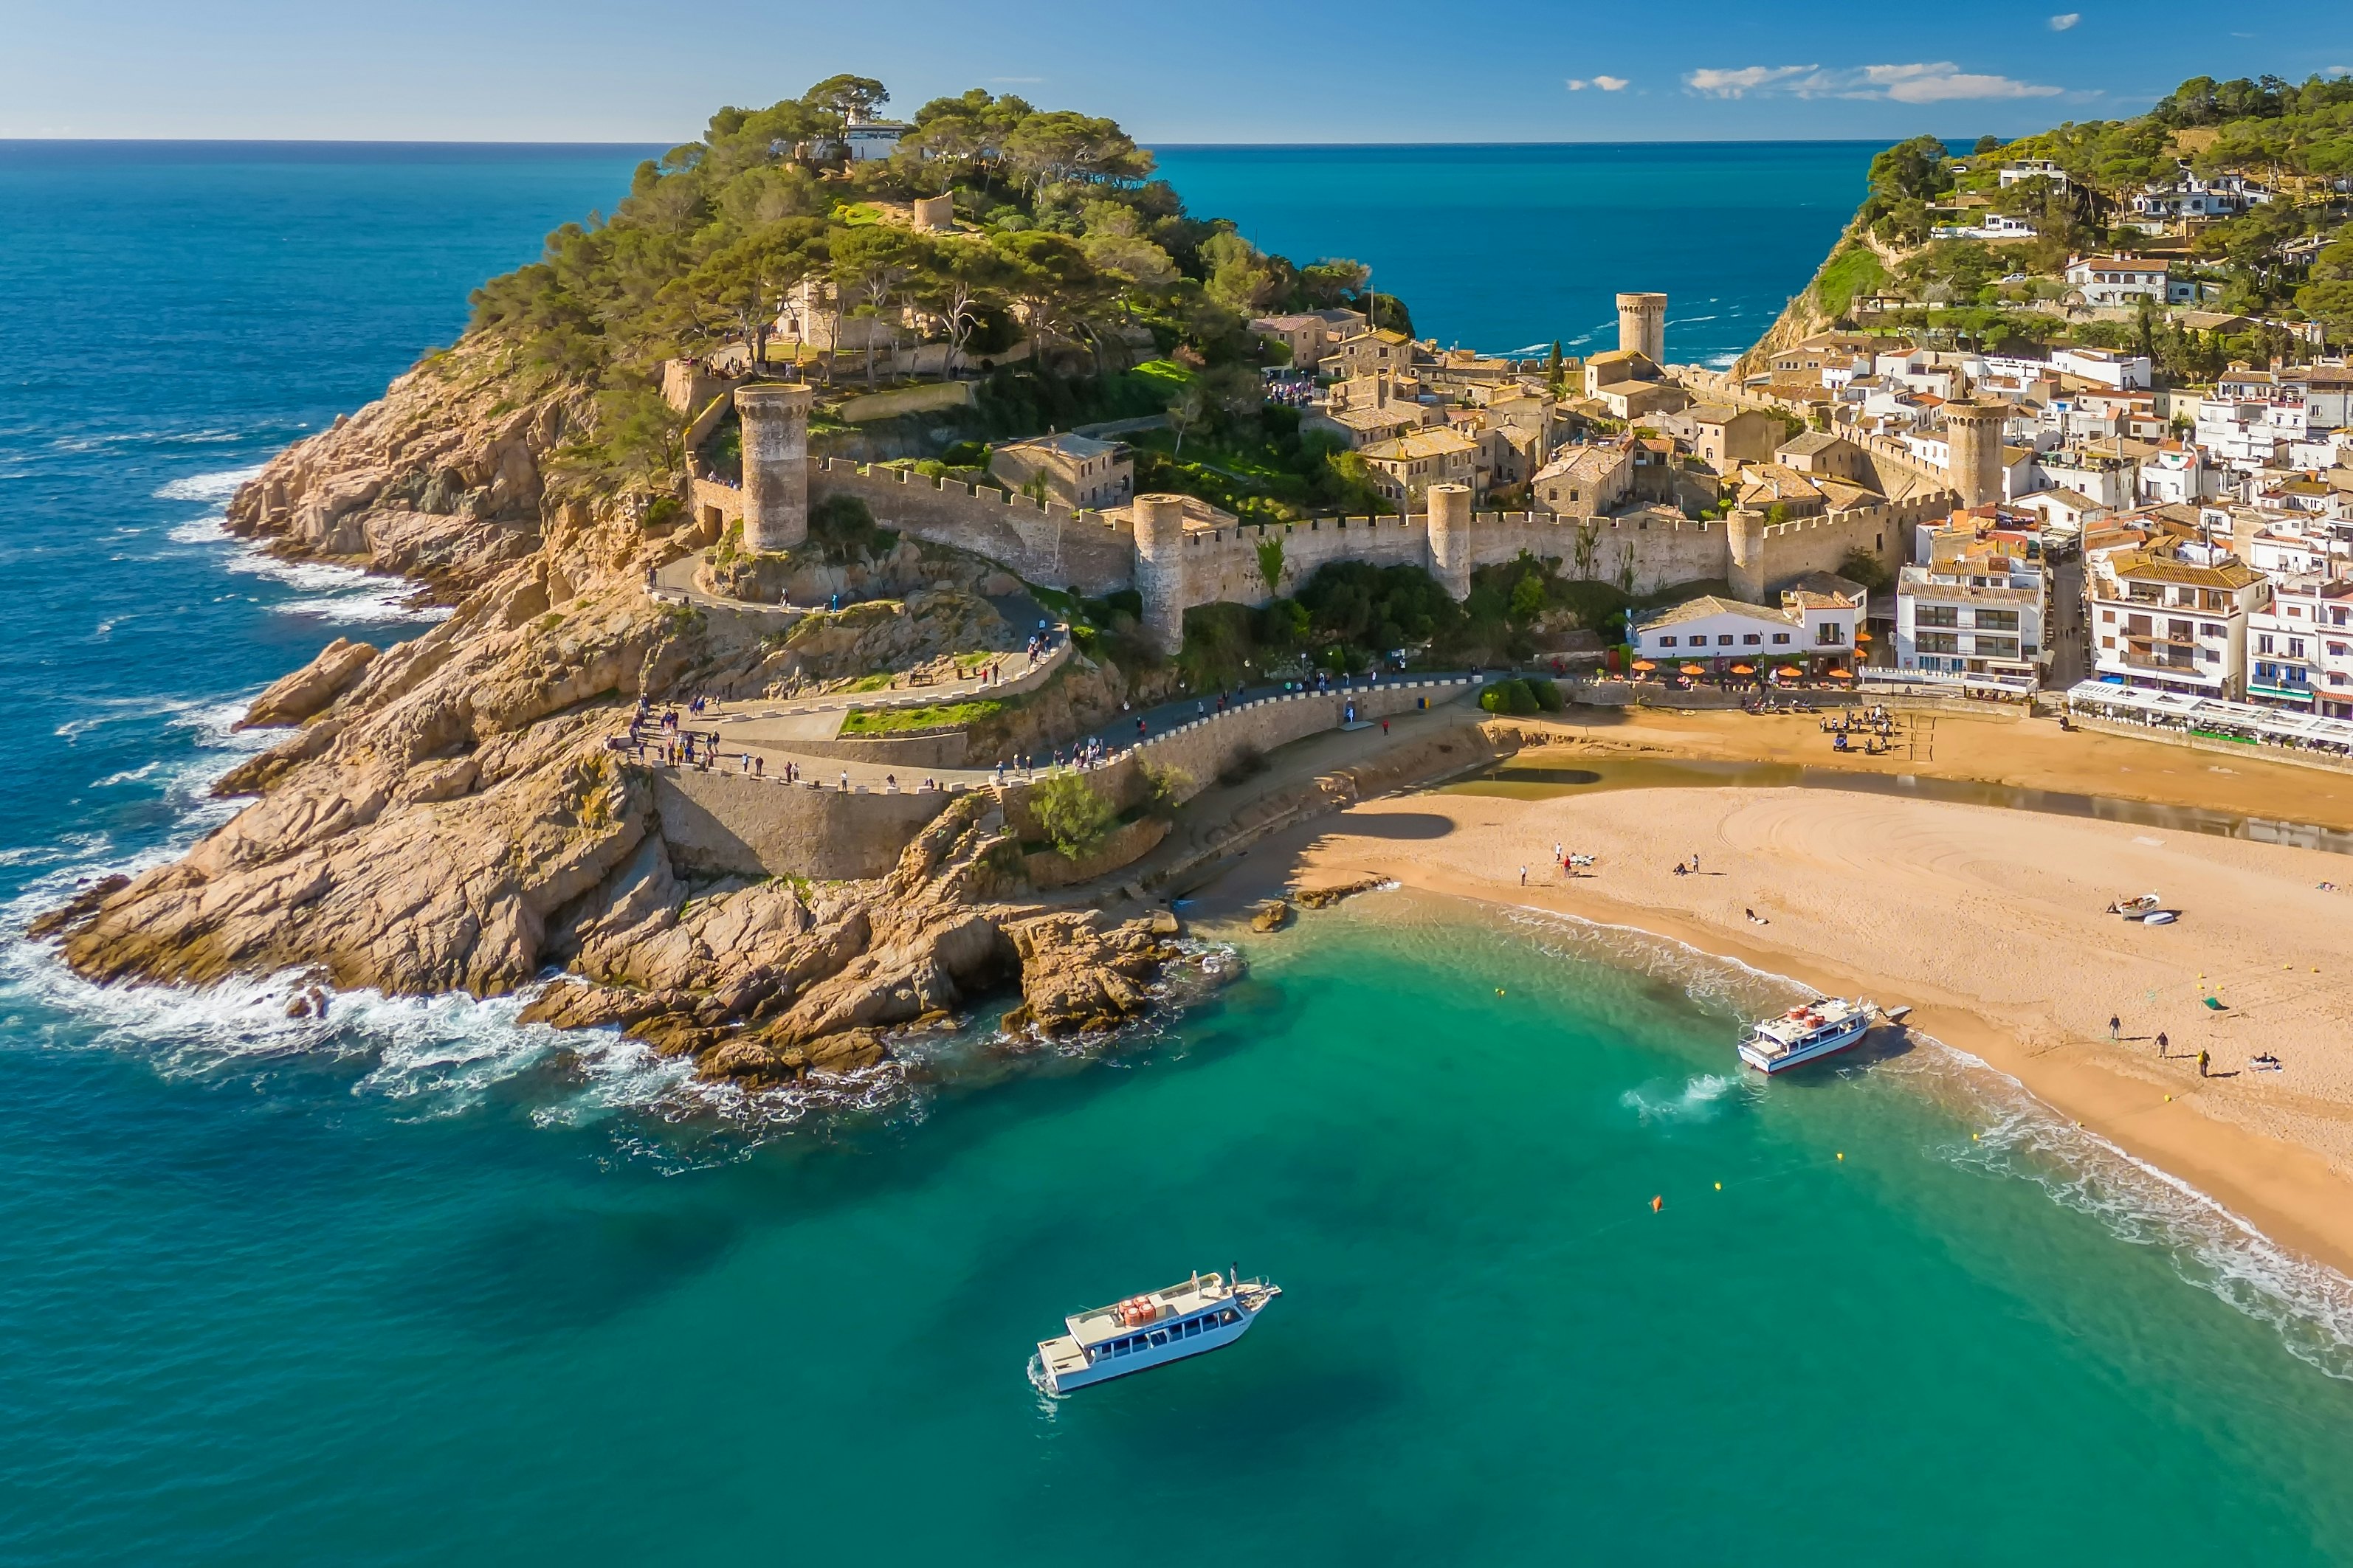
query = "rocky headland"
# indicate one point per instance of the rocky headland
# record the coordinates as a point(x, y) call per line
point(446, 814)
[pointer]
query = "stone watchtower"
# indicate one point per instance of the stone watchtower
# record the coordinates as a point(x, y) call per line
point(1449, 539)
point(1160, 568)
point(1642, 325)
point(1973, 431)
point(1744, 534)
point(775, 464)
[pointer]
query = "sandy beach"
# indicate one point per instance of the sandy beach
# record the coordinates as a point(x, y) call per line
point(1989, 922)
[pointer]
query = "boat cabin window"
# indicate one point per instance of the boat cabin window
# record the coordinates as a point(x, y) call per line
point(1160, 1336)
point(1192, 1327)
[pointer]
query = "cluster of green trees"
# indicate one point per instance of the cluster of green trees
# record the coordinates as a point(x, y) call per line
point(2264, 127)
point(1070, 240)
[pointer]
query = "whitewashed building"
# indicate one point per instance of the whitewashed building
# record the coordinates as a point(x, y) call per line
point(1716, 632)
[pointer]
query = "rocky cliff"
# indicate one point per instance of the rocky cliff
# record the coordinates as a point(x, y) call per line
point(446, 814)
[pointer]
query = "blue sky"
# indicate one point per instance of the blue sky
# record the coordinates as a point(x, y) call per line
point(1208, 71)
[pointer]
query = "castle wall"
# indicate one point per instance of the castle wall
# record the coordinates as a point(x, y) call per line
point(1083, 552)
point(1791, 550)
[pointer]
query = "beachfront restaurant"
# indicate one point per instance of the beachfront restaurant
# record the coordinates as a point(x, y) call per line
point(2211, 717)
point(1715, 634)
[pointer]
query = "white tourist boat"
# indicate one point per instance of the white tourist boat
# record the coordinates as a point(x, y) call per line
point(1822, 1027)
point(1207, 1312)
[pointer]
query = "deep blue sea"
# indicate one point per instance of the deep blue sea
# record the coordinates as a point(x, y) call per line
point(412, 1288)
point(1508, 249)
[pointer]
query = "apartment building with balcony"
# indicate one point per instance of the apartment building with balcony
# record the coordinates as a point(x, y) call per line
point(2173, 617)
point(1977, 605)
point(2300, 648)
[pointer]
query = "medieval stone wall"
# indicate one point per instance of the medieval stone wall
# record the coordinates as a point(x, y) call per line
point(1085, 553)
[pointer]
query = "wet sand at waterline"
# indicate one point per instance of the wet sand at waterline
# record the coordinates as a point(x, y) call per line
point(1990, 923)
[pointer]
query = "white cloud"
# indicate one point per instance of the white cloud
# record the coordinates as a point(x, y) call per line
point(1938, 82)
point(2064, 20)
point(1944, 81)
point(1747, 79)
point(1610, 83)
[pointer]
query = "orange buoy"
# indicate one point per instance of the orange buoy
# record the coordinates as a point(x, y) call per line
point(1657, 1203)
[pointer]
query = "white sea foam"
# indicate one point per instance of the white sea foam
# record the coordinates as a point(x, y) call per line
point(1699, 1099)
point(2309, 1305)
point(214, 487)
point(128, 776)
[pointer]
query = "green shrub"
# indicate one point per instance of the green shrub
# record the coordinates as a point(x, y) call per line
point(1076, 819)
point(1546, 694)
point(1511, 697)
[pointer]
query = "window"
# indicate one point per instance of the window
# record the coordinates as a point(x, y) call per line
point(1751, 639)
point(1667, 642)
point(2295, 647)
point(2213, 655)
point(1938, 642)
point(1723, 639)
point(1780, 639)
point(2263, 643)
point(1938, 615)
point(1830, 634)
point(1997, 620)
point(2209, 629)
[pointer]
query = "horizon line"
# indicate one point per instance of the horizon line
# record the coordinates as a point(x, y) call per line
point(1147, 145)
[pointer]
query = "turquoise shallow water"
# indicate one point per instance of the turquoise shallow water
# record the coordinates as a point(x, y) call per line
point(425, 1286)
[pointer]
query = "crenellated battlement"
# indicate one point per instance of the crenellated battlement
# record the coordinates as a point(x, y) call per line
point(1094, 552)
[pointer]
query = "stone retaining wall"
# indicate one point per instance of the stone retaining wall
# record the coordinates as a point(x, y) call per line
point(721, 823)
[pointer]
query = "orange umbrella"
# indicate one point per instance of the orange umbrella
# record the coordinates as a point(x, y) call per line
point(1841, 674)
point(1644, 663)
point(1788, 672)
point(1693, 669)
point(1744, 669)
point(1862, 637)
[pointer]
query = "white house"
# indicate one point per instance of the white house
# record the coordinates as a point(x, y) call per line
point(2300, 648)
point(2122, 281)
point(1718, 632)
point(2177, 472)
point(2033, 169)
point(870, 140)
point(2110, 369)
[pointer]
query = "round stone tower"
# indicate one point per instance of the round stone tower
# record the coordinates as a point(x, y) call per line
point(1450, 537)
point(1160, 568)
point(775, 464)
point(1973, 431)
point(1744, 531)
point(1642, 325)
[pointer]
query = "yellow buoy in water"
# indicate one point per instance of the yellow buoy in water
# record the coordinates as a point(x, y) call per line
point(1842, 1153)
point(1719, 1186)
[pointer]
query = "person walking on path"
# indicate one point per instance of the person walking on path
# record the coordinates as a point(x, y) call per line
point(2202, 1060)
point(2161, 1043)
point(2116, 1027)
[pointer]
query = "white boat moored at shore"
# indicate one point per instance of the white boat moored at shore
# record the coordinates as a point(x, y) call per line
point(1822, 1027)
point(1207, 1312)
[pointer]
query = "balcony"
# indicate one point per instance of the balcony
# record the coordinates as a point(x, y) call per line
point(2175, 661)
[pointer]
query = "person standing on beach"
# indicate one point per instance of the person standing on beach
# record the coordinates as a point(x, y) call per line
point(2202, 1060)
point(2161, 1044)
point(2115, 1026)
point(1524, 875)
